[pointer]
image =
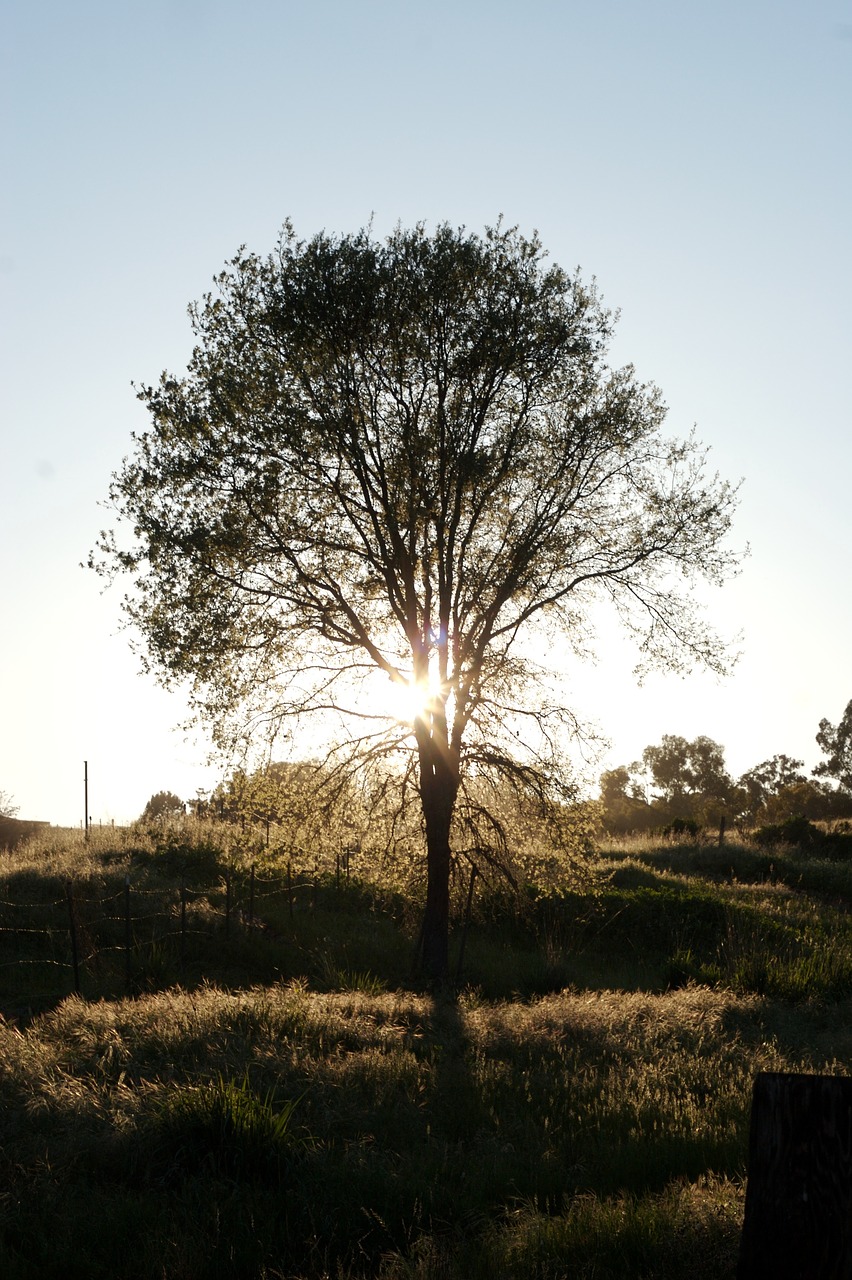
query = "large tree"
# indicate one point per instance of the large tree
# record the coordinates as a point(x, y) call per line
point(835, 741)
point(690, 777)
point(162, 805)
point(768, 779)
point(410, 457)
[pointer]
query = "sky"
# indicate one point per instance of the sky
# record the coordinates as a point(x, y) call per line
point(693, 158)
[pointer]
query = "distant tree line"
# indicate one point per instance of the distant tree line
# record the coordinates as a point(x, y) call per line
point(681, 781)
point(676, 781)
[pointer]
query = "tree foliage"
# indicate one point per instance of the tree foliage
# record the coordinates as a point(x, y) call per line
point(8, 808)
point(767, 780)
point(164, 804)
point(690, 778)
point(835, 741)
point(411, 458)
point(677, 780)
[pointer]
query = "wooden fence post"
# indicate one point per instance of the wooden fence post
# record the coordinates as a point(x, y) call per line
point(798, 1209)
point(227, 903)
point(290, 886)
point(251, 893)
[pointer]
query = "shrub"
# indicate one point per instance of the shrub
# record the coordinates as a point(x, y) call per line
point(683, 827)
point(798, 831)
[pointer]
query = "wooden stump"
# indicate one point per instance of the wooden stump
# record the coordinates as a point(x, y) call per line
point(798, 1209)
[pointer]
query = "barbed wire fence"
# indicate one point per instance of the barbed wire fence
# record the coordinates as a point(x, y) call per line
point(90, 934)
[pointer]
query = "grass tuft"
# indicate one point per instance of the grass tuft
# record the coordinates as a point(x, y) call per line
point(225, 1128)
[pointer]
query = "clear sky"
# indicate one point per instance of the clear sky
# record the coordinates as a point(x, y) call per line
point(694, 157)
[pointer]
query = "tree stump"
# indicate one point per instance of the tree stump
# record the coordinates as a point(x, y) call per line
point(798, 1209)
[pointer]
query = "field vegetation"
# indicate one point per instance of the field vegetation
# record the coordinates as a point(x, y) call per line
point(271, 1094)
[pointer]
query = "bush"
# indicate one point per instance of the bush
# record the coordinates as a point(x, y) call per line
point(683, 827)
point(798, 831)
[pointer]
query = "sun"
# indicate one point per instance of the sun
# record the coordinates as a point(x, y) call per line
point(409, 700)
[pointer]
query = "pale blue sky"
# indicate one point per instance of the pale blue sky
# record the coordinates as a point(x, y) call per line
point(695, 158)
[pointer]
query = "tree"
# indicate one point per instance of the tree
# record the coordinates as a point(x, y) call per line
point(690, 776)
point(768, 779)
point(283, 793)
point(410, 458)
point(804, 799)
point(623, 803)
point(835, 741)
point(8, 808)
point(614, 784)
point(165, 804)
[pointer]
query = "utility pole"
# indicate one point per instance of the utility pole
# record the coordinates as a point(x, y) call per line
point(86, 795)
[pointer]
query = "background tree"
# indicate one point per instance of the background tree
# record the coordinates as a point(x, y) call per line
point(281, 797)
point(410, 458)
point(165, 804)
point(623, 804)
point(766, 780)
point(835, 741)
point(805, 799)
point(614, 784)
point(8, 808)
point(690, 778)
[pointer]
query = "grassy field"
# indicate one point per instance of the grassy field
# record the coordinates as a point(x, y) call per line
point(281, 1100)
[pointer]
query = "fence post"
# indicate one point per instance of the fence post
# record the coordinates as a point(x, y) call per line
point(227, 903)
point(722, 824)
point(290, 886)
point(72, 929)
point(337, 871)
point(798, 1208)
point(251, 897)
point(127, 930)
point(314, 887)
point(183, 922)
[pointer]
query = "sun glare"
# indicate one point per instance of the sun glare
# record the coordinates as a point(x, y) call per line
point(408, 701)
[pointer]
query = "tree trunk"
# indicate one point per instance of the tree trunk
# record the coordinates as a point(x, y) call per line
point(439, 784)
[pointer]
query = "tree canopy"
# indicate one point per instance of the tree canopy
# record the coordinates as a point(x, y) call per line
point(676, 779)
point(8, 808)
point(410, 457)
point(835, 741)
point(764, 782)
point(680, 769)
point(164, 804)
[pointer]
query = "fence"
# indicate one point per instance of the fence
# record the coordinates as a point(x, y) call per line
point(88, 932)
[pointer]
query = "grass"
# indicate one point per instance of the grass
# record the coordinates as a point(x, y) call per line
point(288, 1104)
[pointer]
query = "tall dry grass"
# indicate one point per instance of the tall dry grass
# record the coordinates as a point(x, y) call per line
point(577, 1133)
point(579, 1108)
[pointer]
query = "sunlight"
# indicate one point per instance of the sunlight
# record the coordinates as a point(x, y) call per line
point(410, 700)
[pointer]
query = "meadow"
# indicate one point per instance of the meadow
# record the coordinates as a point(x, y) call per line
point(270, 1093)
